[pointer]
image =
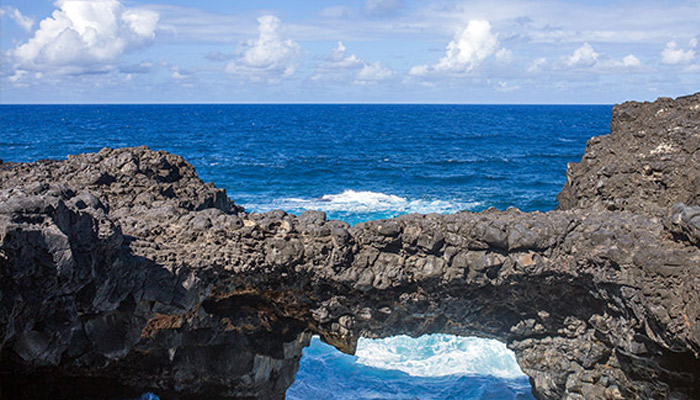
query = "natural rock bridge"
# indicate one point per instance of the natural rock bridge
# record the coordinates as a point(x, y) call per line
point(122, 272)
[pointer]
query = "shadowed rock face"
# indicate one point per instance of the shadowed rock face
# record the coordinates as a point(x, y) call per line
point(121, 272)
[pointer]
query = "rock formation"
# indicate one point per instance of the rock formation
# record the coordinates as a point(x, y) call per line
point(122, 272)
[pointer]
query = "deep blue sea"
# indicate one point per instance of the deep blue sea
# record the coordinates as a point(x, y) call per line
point(356, 162)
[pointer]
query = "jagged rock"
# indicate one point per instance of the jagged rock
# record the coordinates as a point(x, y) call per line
point(685, 222)
point(122, 272)
point(647, 164)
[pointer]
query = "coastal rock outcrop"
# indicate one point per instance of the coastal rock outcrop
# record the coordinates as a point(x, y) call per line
point(122, 272)
point(648, 163)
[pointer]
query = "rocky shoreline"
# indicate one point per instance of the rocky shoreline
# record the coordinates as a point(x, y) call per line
point(122, 272)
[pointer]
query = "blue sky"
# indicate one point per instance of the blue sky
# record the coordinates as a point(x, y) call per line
point(395, 51)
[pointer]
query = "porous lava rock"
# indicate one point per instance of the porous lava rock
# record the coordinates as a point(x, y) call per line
point(122, 272)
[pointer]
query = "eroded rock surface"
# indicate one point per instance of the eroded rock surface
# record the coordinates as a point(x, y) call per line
point(122, 272)
point(647, 164)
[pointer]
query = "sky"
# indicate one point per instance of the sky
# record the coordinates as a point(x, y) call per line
point(348, 51)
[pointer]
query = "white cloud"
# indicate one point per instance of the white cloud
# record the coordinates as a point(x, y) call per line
point(504, 56)
point(17, 77)
point(372, 73)
point(340, 65)
point(631, 61)
point(503, 86)
point(419, 70)
point(85, 36)
point(381, 8)
point(269, 56)
point(469, 48)
point(627, 63)
point(584, 56)
point(673, 54)
point(339, 58)
point(22, 20)
point(537, 65)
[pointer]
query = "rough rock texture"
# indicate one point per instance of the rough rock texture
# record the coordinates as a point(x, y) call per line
point(647, 164)
point(122, 272)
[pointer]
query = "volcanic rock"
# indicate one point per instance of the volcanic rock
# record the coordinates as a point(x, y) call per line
point(122, 272)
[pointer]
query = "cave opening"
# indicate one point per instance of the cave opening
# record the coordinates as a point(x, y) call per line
point(435, 366)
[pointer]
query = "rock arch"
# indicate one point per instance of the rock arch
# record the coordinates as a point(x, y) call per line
point(121, 271)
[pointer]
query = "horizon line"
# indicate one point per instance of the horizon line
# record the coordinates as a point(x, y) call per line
point(304, 103)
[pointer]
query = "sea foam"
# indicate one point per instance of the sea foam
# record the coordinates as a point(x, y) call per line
point(364, 205)
point(439, 355)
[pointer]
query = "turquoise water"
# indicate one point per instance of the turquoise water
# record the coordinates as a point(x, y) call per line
point(356, 162)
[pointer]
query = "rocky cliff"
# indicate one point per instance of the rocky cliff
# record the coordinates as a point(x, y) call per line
point(122, 272)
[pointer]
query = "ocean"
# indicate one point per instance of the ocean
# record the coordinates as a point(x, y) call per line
point(356, 163)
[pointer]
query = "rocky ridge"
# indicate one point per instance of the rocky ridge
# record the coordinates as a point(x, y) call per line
point(122, 272)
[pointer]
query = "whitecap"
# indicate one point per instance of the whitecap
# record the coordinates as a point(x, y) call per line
point(439, 355)
point(364, 202)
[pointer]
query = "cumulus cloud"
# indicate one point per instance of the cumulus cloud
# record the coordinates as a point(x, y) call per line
point(269, 57)
point(372, 73)
point(627, 63)
point(504, 56)
point(339, 59)
point(340, 65)
point(22, 20)
point(468, 49)
point(631, 61)
point(673, 54)
point(381, 8)
point(85, 36)
point(584, 56)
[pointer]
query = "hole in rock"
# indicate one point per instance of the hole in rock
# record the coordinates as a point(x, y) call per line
point(434, 366)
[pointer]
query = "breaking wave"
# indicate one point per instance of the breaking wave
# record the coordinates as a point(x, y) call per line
point(439, 355)
point(356, 206)
point(433, 367)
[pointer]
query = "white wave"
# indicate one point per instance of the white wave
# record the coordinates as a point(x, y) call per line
point(439, 355)
point(351, 201)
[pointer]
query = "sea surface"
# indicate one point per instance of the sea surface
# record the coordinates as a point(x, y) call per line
point(356, 163)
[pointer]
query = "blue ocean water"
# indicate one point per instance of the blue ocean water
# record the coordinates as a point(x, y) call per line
point(356, 162)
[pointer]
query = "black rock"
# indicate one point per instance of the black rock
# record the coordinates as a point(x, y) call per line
point(122, 272)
